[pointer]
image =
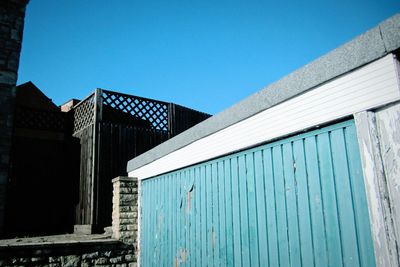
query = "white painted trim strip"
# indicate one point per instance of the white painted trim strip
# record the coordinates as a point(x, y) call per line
point(371, 86)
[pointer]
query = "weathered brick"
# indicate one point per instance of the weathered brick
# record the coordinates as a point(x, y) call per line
point(127, 221)
point(127, 208)
point(90, 255)
point(71, 260)
point(132, 227)
point(128, 215)
point(118, 259)
point(108, 253)
point(129, 257)
point(126, 198)
point(102, 260)
point(86, 263)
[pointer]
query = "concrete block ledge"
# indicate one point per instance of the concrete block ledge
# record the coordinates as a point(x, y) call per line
point(124, 179)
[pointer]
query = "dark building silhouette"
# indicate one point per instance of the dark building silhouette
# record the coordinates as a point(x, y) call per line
point(64, 158)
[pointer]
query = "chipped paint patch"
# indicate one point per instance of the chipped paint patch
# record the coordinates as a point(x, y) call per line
point(189, 198)
point(160, 222)
point(388, 122)
point(213, 239)
point(181, 258)
point(184, 255)
point(377, 189)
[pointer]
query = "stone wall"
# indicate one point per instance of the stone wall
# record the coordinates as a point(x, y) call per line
point(92, 250)
point(85, 254)
point(125, 210)
point(12, 13)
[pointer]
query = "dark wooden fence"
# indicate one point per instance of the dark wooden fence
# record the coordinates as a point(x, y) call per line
point(62, 163)
point(114, 128)
point(182, 118)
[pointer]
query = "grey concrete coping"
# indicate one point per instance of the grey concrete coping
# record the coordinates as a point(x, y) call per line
point(123, 179)
point(370, 46)
point(59, 240)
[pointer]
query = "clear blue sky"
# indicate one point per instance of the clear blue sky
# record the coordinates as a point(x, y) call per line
point(203, 54)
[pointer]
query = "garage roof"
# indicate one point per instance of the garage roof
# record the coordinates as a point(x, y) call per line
point(372, 45)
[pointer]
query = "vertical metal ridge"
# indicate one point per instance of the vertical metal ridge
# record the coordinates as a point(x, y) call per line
point(353, 201)
point(285, 203)
point(265, 210)
point(275, 205)
point(227, 170)
point(305, 151)
point(322, 199)
point(336, 198)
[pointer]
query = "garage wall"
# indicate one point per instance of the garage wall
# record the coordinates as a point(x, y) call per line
point(296, 202)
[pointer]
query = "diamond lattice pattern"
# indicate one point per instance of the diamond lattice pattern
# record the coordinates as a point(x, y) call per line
point(39, 119)
point(84, 114)
point(155, 112)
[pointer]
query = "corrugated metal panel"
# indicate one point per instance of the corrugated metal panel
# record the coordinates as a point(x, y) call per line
point(368, 87)
point(296, 202)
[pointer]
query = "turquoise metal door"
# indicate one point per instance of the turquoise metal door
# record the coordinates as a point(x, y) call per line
point(296, 202)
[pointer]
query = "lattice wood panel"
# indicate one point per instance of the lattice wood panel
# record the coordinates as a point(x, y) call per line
point(155, 112)
point(84, 113)
point(39, 119)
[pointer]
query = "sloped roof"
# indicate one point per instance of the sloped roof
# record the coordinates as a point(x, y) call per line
point(30, 96)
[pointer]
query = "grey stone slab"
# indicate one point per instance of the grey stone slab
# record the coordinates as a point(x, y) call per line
point(390, 29)
point(362, 50)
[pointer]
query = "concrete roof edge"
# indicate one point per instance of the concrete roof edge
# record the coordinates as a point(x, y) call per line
point(367, 47)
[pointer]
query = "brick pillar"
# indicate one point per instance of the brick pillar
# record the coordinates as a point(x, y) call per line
point(12, 13)
point(125, 210)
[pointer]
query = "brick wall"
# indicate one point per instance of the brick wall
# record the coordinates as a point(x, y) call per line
point(12, 13)
point(69, 254)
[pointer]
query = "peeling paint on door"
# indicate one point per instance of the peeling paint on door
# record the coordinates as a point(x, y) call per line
point(295, 202)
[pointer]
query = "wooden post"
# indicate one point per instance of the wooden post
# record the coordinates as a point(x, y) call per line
point(95, 172)
point(171, 120)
